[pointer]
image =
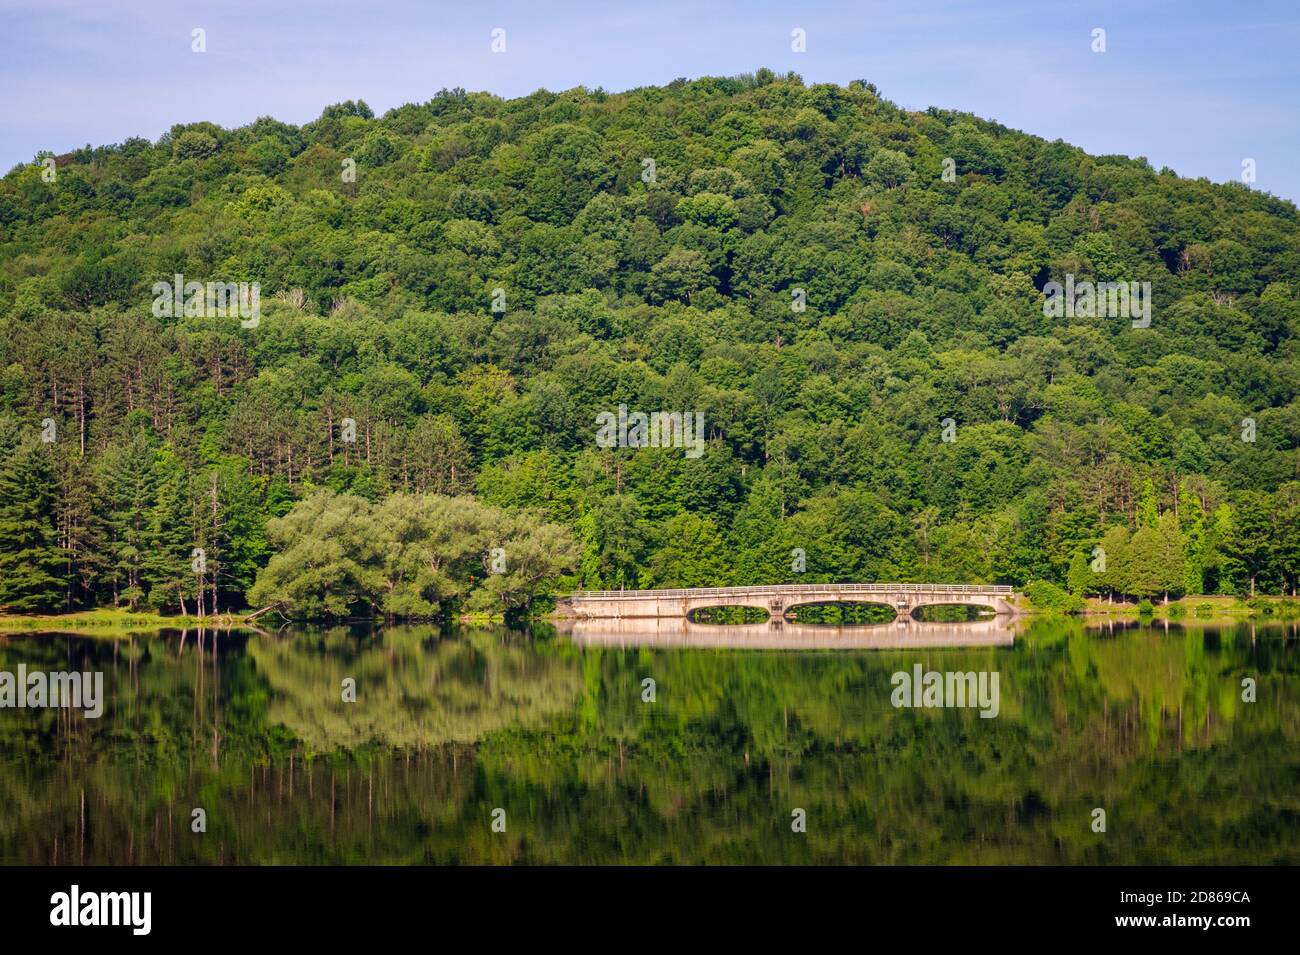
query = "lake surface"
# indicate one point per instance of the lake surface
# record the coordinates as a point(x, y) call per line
point(555, 729)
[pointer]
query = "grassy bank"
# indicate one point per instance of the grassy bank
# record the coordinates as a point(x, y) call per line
point(112, 622)
point(1203, 607)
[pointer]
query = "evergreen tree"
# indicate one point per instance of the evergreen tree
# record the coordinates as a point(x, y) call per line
point(1080, 578)
point(1111, 569)
point(127, 496)
point(1142, 564)
point(168, 567)
point(1191, 518)
point(33, 567)
point(79, 528)
point(1249, 543)
point(1287, 533)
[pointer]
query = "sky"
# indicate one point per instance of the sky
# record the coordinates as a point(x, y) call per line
point(1195, 86)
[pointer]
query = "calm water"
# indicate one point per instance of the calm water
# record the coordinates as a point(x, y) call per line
point(552, 728)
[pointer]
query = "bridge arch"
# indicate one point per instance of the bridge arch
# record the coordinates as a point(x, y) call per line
point(845, 612)
point(729, 615)
point(956, 611)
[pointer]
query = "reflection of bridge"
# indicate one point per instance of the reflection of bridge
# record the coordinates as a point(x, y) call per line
point(777, 634)
point(779, 599)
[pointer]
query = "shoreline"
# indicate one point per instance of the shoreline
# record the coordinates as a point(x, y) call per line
point(112, 622)
point(108, 621)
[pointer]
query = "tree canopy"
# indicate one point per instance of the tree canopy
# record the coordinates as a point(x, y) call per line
point(451, 293)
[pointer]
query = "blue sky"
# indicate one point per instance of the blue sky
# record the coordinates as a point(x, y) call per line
point(1196, 86)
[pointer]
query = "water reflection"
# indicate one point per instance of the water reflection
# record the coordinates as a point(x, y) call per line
point(778, 634)
point(450, 724)
point(413, 686)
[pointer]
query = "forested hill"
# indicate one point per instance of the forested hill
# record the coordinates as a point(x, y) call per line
point(852, 296)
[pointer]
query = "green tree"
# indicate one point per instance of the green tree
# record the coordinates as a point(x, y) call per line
point(613, 543)
point(692, 554)
point(1148, 513)
point(1111, 562)
point(128, 490)
point(1249, 543)
point(1141, 563)
point(329, 558)
point(32, 564)
point(1080, 578)
point(1170, 556)
point(168, 568)
point(1287, 534)
point(679, 275)
point(1191, 517)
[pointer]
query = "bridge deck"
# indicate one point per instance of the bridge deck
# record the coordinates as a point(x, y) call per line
point(955, 589)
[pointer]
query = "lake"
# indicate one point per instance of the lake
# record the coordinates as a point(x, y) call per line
point(492, 745)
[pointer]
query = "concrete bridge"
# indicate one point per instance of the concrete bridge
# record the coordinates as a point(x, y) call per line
point(779, 599)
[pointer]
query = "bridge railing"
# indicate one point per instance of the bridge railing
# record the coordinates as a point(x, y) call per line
point(957, 589)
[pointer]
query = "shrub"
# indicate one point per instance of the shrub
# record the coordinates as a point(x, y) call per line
point(1045, 595)
point(1146, 608)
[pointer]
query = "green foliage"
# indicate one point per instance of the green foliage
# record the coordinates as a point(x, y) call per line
point(1080, 579)
point(1045, 595)
point(408, 556)
point(797, 269)
point(32, 564)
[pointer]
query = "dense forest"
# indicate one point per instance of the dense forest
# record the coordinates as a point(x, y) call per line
point(452, 294)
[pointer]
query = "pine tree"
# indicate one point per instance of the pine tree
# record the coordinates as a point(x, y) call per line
point(1249, 542)
point(168, 567)
point(1287, 534)
point(33, 571)
point(127, 494)
point(79, 527)
point(1112, 571)
point(1191, 517)
point(1142, 563)
point(1080, 578)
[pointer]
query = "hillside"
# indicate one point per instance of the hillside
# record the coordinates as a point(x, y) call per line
point(453, 293)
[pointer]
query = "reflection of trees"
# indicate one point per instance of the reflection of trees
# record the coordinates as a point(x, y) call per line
point(1149, 726)
point(412, 689)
